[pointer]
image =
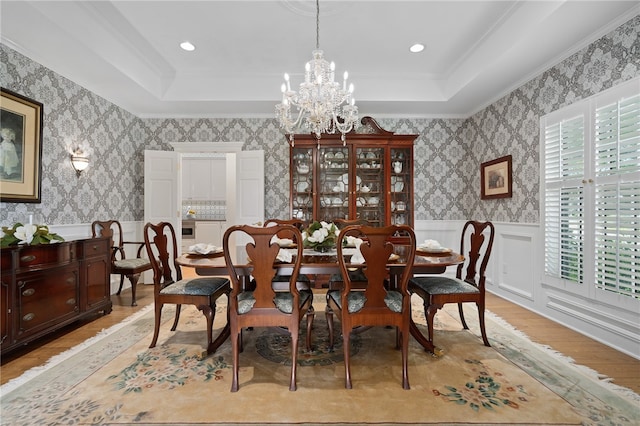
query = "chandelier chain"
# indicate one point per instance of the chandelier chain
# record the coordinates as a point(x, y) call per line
point(317, 24)
point(321, 105)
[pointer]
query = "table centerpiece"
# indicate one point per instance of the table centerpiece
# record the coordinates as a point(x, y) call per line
point(321, 236)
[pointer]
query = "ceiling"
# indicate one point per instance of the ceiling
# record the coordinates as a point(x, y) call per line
point(476, 51)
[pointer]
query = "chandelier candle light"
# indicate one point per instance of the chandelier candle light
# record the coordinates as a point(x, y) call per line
point(322, 104)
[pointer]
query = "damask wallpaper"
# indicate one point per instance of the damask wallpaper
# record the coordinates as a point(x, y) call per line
point(447, 153)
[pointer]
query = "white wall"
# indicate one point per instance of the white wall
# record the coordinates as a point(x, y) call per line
point(515, 273)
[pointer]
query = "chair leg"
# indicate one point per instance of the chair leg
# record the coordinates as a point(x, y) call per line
point(134, 283)
point(461, 312)
point(175, 321)
point(156, 328)
point(311, 314)
point(481, 319)
point(294, 357)
point(121, 284)
point(235, 350)
point(328, 313)
point(405, 358)
point(346, 334)
point(430, 313)
point(209, 314)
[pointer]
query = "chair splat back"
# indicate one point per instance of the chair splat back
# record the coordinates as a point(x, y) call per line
point(164, 264)
point(475, 233)
point(263, 256)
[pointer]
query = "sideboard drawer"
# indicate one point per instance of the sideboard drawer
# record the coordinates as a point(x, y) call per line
point(94, 247)
point(47, 297)
point(44, 255)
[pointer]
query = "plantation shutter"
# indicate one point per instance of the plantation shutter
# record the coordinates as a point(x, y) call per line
point(617, 196)
point(564, 199)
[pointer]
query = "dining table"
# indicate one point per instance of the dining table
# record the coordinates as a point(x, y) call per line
point(316, 263)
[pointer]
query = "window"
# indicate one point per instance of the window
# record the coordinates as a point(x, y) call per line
point(591, 185)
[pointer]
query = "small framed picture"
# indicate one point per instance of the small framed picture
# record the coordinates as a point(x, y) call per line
point(20, 148)
point(495, 178)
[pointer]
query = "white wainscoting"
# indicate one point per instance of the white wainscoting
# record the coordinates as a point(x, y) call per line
point(132, 231)
point(515, 273)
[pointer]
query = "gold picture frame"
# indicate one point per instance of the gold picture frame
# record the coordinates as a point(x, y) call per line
point(496, 178)
point(20, 148)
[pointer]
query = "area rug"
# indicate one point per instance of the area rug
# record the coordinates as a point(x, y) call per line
point(118, 380)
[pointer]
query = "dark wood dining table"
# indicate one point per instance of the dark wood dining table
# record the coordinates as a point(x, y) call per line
point(327, 264)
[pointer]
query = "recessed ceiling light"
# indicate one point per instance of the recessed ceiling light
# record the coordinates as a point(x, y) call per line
point(187, 46)
point(418, 47)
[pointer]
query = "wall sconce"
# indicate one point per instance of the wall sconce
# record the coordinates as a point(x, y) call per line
point(79, 162)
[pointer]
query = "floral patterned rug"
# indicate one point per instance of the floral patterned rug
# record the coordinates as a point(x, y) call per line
point(118, 380)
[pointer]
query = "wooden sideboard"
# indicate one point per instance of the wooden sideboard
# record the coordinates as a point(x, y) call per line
point(45, 287)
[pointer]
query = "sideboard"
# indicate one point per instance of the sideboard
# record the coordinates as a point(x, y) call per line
point(45, 287)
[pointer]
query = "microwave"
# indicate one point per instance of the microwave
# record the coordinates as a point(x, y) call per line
point(188, 230)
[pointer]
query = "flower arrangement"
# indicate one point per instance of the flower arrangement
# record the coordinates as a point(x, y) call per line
point(320, 236)
point(28, 234)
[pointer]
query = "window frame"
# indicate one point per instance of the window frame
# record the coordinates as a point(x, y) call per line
point(590, 182)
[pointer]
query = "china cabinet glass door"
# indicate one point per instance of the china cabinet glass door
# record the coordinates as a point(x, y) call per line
point(370, 194)
point(302, 191)
point(400, 187)
point(333, 183)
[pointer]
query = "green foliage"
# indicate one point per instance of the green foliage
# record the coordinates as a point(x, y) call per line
point(19, 234)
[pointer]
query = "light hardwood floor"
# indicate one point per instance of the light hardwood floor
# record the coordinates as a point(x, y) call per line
point(623, 369)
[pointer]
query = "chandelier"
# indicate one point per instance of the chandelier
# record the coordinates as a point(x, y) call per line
point(321, 105)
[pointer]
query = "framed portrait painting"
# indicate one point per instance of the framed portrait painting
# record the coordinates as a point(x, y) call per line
point(496, 179)
point(20, 148)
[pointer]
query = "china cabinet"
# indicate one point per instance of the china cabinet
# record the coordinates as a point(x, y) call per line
point(370, 177)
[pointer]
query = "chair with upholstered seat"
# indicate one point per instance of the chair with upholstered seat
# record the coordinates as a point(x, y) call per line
point(437, 290)
point(171, 288)
point(262, 305)
point(375, 303)
point(130, 267)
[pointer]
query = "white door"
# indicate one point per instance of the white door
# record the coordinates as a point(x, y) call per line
point(245, 179)
point(163, 191)
point(250, 187)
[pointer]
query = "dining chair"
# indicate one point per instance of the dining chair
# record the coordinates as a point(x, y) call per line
point(375, 304)
point(263, 305)
point(170, 288)
point(437, 290)
point(121, 265)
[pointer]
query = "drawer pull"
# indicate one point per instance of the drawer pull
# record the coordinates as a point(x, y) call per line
point(95, 248)
point(29, 292)
point(71, 280)
point(27, 258)
point(71, 301)
point(29, 316)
